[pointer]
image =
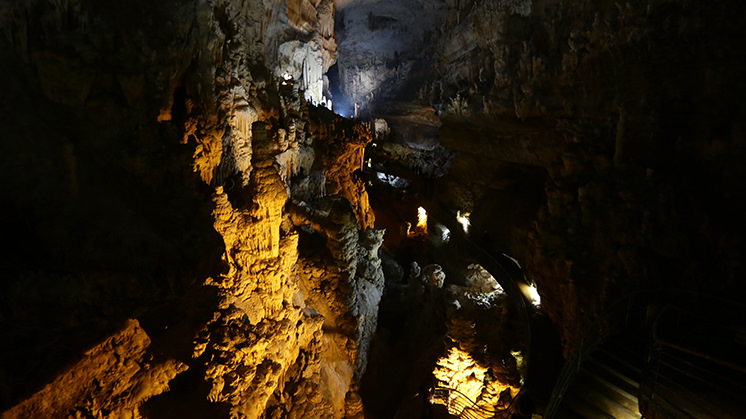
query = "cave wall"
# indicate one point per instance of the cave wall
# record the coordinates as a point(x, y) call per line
point(596, 142)
point(628, 115)
point(380, 42)
point(176, 217)
point(150, 156)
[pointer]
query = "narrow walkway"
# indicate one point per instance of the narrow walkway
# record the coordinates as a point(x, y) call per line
point(606, 386)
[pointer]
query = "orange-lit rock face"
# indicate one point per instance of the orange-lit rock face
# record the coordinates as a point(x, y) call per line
point(276, 342)
point(342, 152)
point(420, 229)
point(479, 367)
point(256, 344)
point(459, 371)
point(117, 375)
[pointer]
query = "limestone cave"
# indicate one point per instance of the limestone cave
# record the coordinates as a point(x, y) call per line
point(373, 209)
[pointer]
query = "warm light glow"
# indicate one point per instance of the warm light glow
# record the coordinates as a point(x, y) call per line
point(165, 115)
point(369, 162)
point(463, 219)
point(459, 371)
point(421, 219)
point(533, 294)
point(421, 228)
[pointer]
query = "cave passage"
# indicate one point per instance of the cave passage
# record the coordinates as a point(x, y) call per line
point(418, 313)
point(372, 209)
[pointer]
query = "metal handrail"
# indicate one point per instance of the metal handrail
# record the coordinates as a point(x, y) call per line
point(495, 268)
point(701, 355)
point(660, 341)
point(681, 360)
point(467, 403)
point(688, 369)
point(489, 263)
point(593, 337)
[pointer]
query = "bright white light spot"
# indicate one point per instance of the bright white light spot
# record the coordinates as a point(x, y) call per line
point(392, 180)
point(463, 219)
point(287, 78)
point(369, 163)
point(445, 234)
point(533, 294)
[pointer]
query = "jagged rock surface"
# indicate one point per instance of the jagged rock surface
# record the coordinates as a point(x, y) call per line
point(601, 85)
point(180, 154)
point(116, 376)
point(596, 142)
point(481, 339)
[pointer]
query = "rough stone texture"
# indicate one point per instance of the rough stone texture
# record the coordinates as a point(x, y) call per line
point(601, 143)
point(621, 120)
point(151, 155)
point(379, 41)
point(481, 339)
point(308, 50)
point(114, 378)
point(341, 152)
point(344, 282)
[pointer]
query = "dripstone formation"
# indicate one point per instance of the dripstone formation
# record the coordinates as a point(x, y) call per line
point(162, 184)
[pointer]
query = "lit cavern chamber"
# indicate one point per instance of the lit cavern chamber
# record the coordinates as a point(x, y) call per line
point(379, 209)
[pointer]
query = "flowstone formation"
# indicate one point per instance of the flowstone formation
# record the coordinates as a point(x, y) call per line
point(483, 360)
point(306, 52)
point(181, 196)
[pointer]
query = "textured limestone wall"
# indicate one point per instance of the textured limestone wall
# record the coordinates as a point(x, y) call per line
point(151, 156)
point(379, 42)
point(632, 111)
point(306, 51)
point(482, 354)
point(115, 376)
point(597, 142)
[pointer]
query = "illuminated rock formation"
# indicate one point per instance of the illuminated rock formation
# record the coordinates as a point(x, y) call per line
point(481, 368)
point(307, 48)
point(379, 44)
point(188, 236)
point(115, 376)
point(269, 328)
